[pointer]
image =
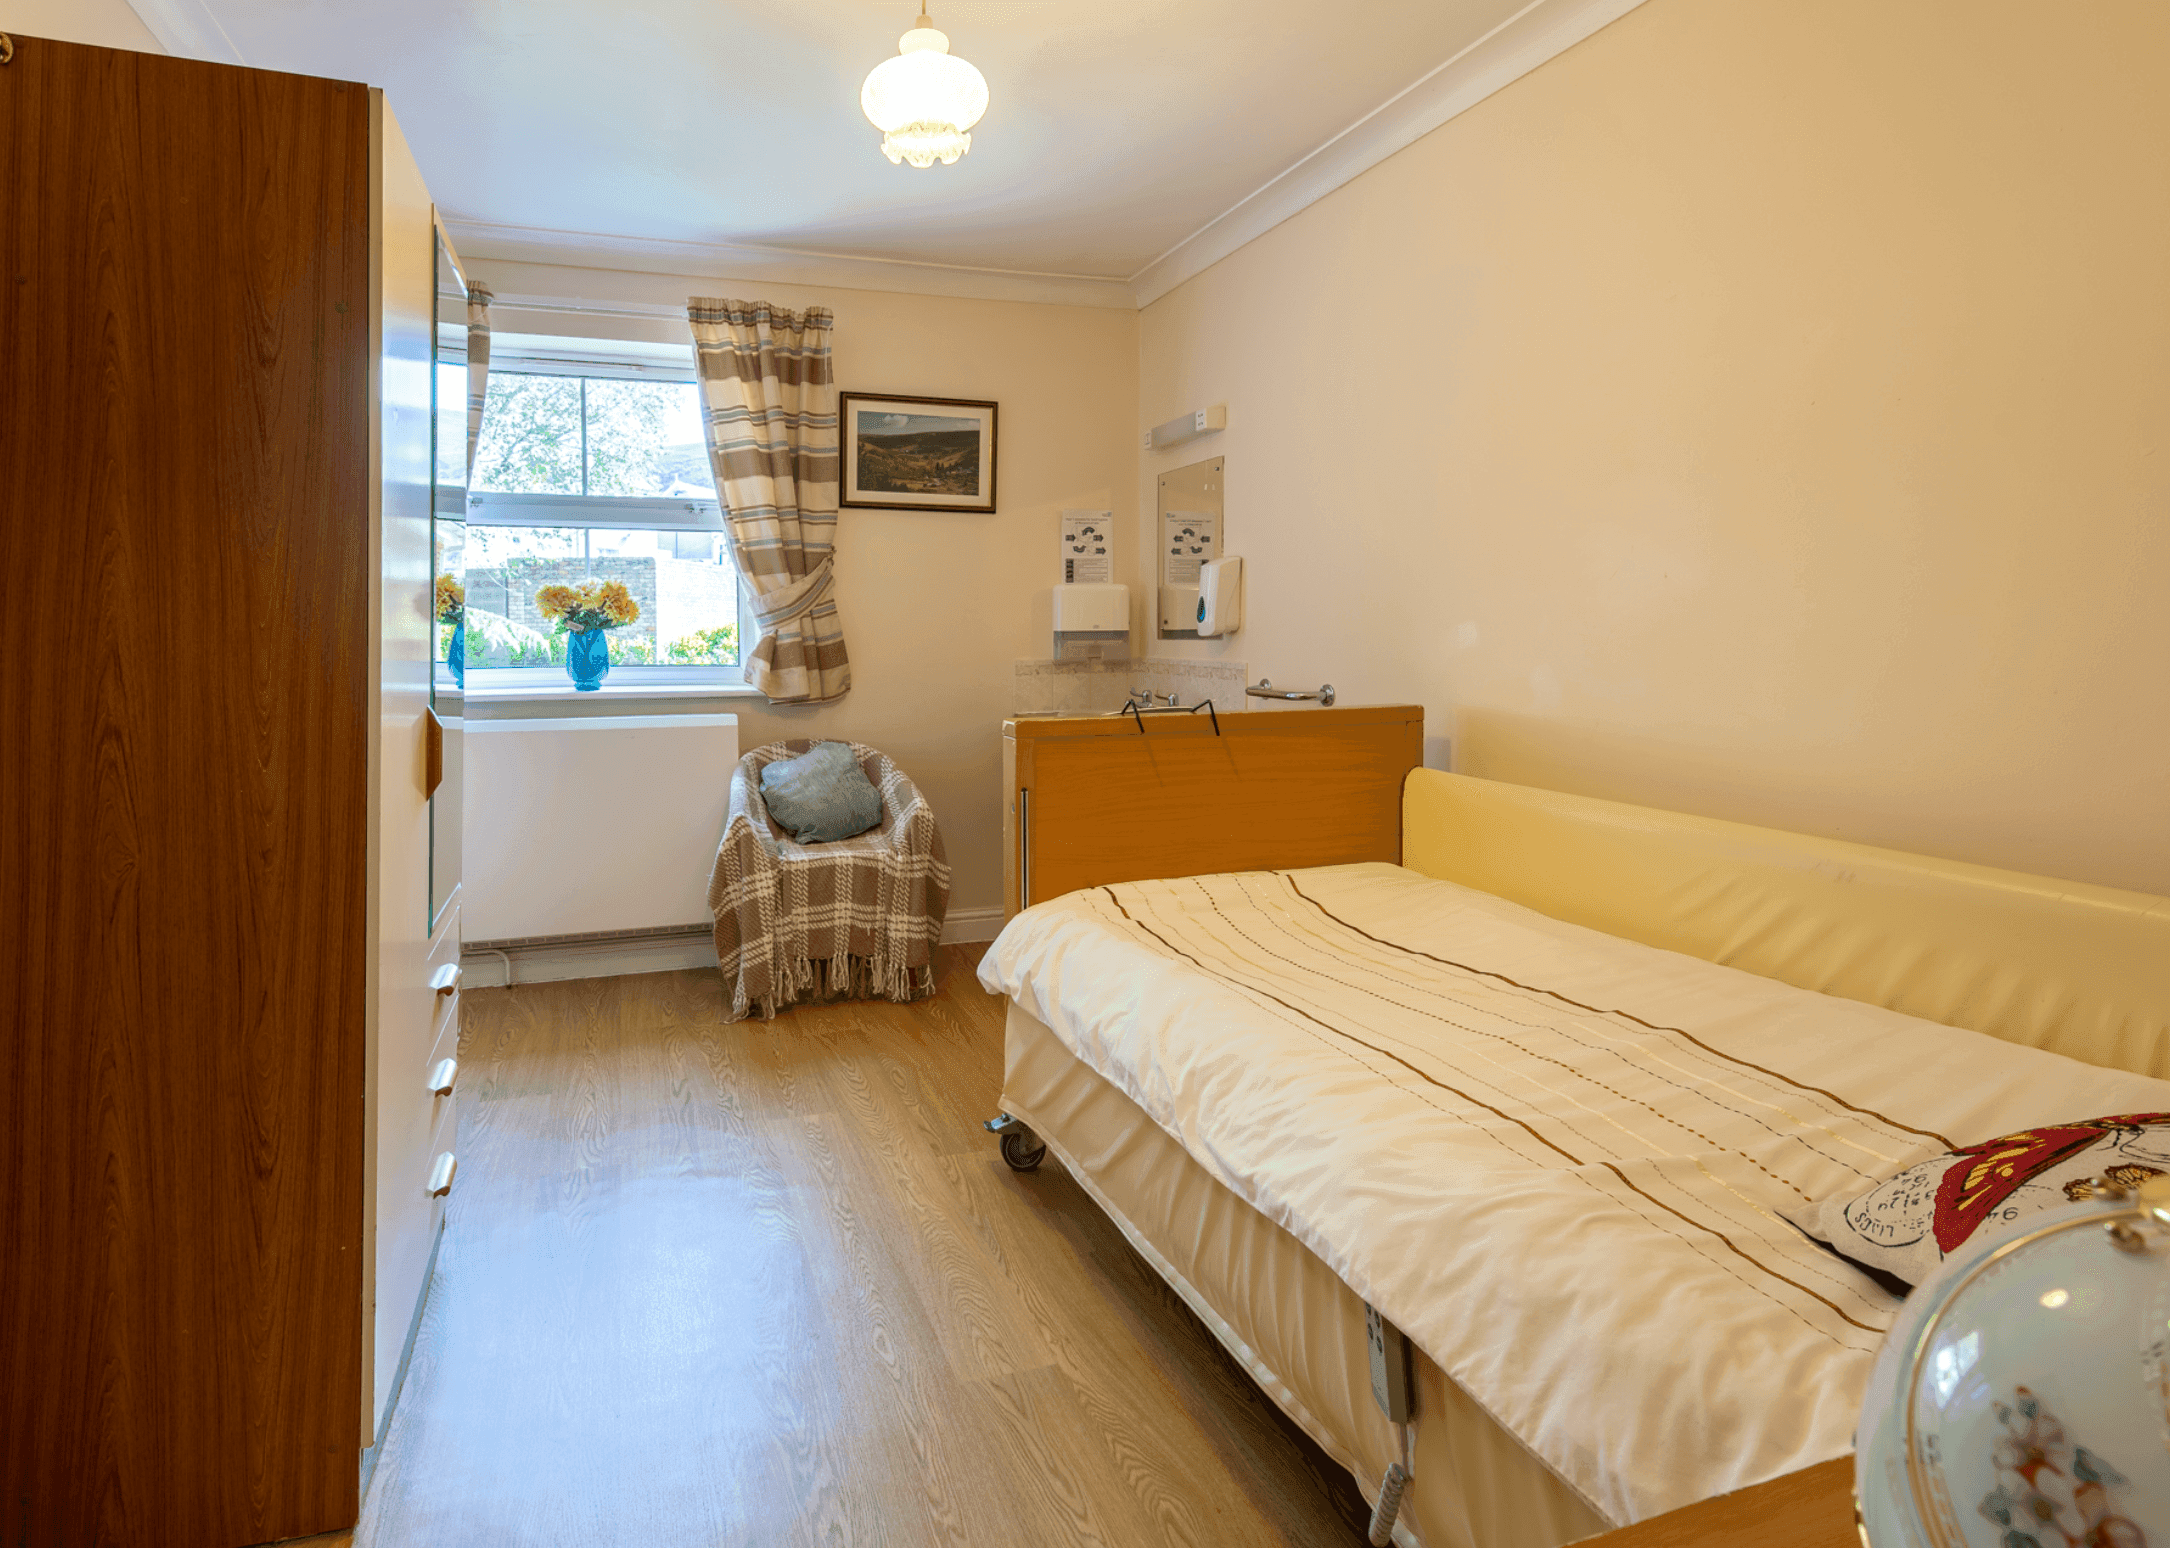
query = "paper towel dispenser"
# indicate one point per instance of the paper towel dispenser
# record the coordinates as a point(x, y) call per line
point(1092, 622)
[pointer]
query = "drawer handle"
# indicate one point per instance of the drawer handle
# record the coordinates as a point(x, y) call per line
point(440, 1173)
point(441, 1078)
point(446, 980)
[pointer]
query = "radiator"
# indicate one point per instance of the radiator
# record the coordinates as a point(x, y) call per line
point(603, 825)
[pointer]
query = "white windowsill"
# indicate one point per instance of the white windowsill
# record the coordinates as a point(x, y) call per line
point(611, 692)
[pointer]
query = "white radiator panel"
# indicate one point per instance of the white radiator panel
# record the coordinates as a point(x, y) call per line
point(610, 823)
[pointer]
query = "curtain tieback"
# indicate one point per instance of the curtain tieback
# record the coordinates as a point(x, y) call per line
point(788, 602)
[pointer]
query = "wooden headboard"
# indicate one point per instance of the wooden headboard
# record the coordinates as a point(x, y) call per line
point(1089, 801)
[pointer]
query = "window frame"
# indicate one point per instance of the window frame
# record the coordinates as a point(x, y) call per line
point(655, 513)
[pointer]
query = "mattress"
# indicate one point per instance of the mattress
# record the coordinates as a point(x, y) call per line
point(1282, 1312)
point(1555, 1159)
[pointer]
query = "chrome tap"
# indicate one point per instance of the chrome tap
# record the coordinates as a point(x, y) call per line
point(1144, 699)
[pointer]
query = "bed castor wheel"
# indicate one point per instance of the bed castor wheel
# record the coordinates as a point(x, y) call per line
point(1022, 1150)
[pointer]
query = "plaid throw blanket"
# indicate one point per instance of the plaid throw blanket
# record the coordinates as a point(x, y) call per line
point(854, 919)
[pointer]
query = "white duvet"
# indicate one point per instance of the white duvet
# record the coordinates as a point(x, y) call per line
point(1554, 1158)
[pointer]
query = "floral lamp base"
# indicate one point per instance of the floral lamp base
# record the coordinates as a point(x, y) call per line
point(2019, 1397)
point(587, 658)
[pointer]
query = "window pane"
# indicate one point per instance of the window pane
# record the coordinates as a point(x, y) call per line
point(644, 438)
point(683, 581)
point(506, 566)
point(530, 442)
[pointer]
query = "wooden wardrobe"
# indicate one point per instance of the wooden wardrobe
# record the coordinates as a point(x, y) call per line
point(216, 950)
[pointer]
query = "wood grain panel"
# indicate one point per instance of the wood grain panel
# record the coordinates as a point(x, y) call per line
point(770, 1284)
point(1271, 790)
point(1813, 1508)
point(184, 376)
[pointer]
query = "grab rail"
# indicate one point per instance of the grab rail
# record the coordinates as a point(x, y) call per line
point(1264, 689)
point(1024, 848)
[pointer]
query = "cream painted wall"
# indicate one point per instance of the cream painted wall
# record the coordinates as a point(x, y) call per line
point(107, 23)
point(937, 608)
point(1759, 410)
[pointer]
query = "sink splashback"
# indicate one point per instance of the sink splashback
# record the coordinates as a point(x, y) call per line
point(1097, 687)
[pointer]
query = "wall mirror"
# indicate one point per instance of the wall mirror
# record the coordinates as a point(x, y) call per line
point(449, 390)
point(1188, 529)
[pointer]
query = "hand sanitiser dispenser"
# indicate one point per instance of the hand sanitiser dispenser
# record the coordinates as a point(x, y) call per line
point(1092, 622)
point(1220, 597)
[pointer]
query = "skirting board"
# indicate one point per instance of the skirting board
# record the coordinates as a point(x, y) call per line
point(545, 961)
point(971, 924)
point(375, 1448)
point(607, 956)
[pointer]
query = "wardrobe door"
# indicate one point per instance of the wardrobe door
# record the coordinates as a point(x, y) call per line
point(184, 692)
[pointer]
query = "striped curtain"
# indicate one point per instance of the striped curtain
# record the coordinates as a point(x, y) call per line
point(478, 366)
point(769, 395)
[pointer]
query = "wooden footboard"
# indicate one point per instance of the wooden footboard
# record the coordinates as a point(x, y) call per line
point(1091, 801)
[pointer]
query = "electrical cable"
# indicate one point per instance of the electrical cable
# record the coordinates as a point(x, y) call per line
point(1391, 1489)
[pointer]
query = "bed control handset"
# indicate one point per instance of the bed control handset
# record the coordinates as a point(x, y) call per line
point(1389, 1365)
point(1390, 1384)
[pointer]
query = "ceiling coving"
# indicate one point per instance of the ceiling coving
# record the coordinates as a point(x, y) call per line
point(925, 101)
point(1134, 142)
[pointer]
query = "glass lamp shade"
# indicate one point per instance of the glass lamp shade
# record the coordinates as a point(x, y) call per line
point(924, 100)
point(2023, 1395)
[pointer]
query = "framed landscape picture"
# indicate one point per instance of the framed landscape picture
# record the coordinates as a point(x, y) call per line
point(918, 454)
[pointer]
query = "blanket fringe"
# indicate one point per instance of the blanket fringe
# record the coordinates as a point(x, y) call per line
point(846, 977)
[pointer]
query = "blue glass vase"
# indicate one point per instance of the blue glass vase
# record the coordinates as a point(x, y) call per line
point(587, 658)
point(456, 653)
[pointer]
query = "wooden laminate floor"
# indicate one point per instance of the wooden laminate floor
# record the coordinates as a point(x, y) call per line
point(768, 1283)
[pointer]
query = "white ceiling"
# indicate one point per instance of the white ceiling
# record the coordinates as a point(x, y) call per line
point(1116, 129)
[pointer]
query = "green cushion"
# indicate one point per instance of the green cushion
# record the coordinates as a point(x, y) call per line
point(820, 795)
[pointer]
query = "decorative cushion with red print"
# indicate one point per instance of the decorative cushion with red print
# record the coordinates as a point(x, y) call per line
point(1909, 1224)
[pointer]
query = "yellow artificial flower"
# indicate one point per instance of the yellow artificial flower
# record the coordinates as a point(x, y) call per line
point(616, 603)
point(590, 605)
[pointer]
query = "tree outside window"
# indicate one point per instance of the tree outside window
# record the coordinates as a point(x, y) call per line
point(600, 438)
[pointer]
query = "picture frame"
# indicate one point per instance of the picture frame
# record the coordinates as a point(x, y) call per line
point(904, 453)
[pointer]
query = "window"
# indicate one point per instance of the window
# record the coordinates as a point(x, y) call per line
point(593, 465)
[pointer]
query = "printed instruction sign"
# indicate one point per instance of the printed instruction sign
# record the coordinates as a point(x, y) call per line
point(1088, 545)
point(1187, 540)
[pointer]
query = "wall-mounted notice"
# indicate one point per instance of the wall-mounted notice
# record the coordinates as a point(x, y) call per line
point(1088, 545)
point(1187, 540)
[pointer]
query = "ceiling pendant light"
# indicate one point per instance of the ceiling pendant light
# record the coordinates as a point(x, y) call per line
point(924, 100)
